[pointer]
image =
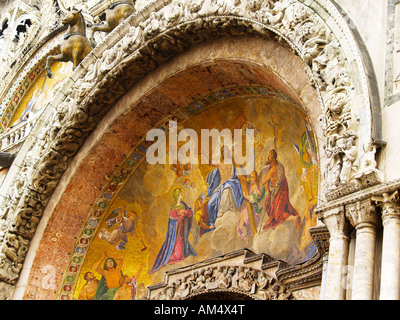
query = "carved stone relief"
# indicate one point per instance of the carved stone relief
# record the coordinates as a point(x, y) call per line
point(220, 275)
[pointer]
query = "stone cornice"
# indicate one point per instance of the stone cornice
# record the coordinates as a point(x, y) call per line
point(378, 190)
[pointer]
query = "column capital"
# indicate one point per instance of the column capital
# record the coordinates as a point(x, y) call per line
point(320, 236)
point(390, 205)
point(362, 214)
point(336, 222)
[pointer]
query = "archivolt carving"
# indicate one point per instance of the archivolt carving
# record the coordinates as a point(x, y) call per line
point(147, 43)
point(238, 279)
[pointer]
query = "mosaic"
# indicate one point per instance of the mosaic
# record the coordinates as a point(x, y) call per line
point(28, 76)
point(153, 218)
point(40, 92)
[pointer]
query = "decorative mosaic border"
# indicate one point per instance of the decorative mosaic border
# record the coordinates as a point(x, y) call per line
point(133, 161)
point(25, 79)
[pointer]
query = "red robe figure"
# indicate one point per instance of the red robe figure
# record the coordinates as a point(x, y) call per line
point(277, 204)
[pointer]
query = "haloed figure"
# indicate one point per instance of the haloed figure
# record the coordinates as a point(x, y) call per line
point(176, 247)
point(111, 274)
point(277, 204)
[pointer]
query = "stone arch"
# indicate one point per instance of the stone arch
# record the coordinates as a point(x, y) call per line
point(228, 71)
point(137, 47)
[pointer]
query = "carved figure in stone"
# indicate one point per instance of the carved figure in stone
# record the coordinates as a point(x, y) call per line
point(191, 280)
point(312, 47)
point(26, 222)
point(75, 46)
point(272, 291)
point(263, 285)
point(17, 247)
point(295, 13)
point(254, 5)
point(209, 7)
point(242, 280)
point(5, 291)
point(49, 171)
point(9, 270)
point(50, 14)
point(172, 14)
point(170, 292)
point(200, 281)
point(181, 289)
point(152, 25)
point(367, 161)
point(277, 13)
point(334, 164)
point(223, 281)
point(331, 71)
point(208, 274)
point(162, 295)
point(349, 160)
point(192, 8)
point(228, 6)
point(337, 115)
point(115, 14)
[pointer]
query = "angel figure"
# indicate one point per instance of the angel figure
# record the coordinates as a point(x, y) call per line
point(127, 221)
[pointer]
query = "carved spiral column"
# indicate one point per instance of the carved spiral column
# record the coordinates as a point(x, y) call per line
point(362, 216)
point(390, 272)
point(339, 229)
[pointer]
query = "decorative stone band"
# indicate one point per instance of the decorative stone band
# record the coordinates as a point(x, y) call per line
point(223, 275)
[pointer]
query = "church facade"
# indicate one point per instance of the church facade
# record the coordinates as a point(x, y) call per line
point(116, 121)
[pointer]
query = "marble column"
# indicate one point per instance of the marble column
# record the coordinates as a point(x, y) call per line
point(325, 260)
point(390, 268)
point(363, 217)
point(339, 230)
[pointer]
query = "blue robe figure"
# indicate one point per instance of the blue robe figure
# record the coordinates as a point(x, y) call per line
point(176, 247)
point(215, 190)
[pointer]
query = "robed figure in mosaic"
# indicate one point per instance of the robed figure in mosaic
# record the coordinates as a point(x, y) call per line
point(277, 204)
point(220, 180)
point(176, 247)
